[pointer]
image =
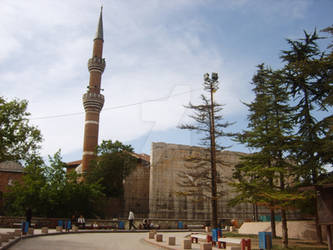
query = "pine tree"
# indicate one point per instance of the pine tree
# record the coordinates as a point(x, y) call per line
point(208, 122)
point(265, 177)
point(308, 74)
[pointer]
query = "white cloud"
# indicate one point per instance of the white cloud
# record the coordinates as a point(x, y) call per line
point(153, 49)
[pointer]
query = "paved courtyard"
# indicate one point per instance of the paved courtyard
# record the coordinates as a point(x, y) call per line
point(95, 241)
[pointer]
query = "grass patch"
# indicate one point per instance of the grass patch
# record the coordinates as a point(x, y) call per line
point(233, 234)
point(275, 247)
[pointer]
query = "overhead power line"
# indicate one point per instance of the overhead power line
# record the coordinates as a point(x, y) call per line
point(114, 107)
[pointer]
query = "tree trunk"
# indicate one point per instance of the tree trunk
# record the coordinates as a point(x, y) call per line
point(273, 223)
point(213, 158)
point(318, 227)
point(284, 228)
point(329, 237)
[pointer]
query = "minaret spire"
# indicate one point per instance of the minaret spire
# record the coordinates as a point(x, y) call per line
point(93, 100)
point(99, 32)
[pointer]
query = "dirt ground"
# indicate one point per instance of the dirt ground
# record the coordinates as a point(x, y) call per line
point(292, 243)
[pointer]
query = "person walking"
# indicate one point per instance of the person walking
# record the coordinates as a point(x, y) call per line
point(81, 222)
point(131, 220)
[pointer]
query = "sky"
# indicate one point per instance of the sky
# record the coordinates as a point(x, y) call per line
point(156, 53)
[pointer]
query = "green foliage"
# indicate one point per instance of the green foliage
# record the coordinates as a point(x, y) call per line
point(108, 147)
point(308, 74)
point(19, 140)
point(113, 164)
point(265, 177)
point(50, 192)
point(291, 145)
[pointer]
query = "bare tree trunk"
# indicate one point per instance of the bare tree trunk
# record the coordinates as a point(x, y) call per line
point(284, 228)
point(213, 159)
point(273, 223)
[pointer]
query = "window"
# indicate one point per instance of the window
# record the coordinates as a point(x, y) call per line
point(10, 182)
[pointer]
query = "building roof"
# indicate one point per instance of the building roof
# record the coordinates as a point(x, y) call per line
point(74, 163)
point(144, 157)
point(11, 166)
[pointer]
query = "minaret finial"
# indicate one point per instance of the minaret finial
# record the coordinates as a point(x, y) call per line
point(99, 33)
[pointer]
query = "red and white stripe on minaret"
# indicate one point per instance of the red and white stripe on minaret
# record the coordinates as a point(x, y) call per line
point(93, 100)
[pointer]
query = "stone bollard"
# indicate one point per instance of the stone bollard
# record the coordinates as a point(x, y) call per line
point(17, 232)
point(75, 228)
point(233, 248)
point(172, 241)
point(159, 237)
point(4, 237)
point(151, 235)
point(59, 229)
point(205, 246)
point(11, 235)
point(30, 231)
point(45, 230)
point(187, 244)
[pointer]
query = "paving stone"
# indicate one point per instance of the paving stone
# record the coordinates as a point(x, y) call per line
point(205, 246)
point(233, 248)
point(18, 232)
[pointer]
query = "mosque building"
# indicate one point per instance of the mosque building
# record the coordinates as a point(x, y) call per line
point(152, 189)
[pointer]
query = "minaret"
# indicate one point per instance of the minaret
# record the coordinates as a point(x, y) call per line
point(93, 100)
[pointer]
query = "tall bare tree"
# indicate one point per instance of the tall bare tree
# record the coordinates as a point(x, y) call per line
point(202, 175)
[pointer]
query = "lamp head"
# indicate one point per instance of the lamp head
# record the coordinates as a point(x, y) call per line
point(206, 77)
point(215, 76)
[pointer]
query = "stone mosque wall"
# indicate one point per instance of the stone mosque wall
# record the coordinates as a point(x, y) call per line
point(165, 202)
point(136, 191)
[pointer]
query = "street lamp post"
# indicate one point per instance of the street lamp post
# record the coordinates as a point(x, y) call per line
point(211, 84)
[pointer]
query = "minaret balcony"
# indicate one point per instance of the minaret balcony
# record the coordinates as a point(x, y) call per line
point(93, 101)
point(96, 63)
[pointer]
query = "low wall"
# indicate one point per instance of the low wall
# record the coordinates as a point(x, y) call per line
point(296, 229)
point(9, 222)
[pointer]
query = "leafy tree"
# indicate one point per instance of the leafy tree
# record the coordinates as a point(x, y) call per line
point(203, 176)
point(308, 74)
point(113, 164)
point(19, 140)
point(52, 193)
point(27, 193)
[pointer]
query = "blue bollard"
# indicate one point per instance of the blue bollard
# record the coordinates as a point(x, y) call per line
point(69, 225)
point(121, 225)
point(265, 240)
point(60, 223)
point(216, 233)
